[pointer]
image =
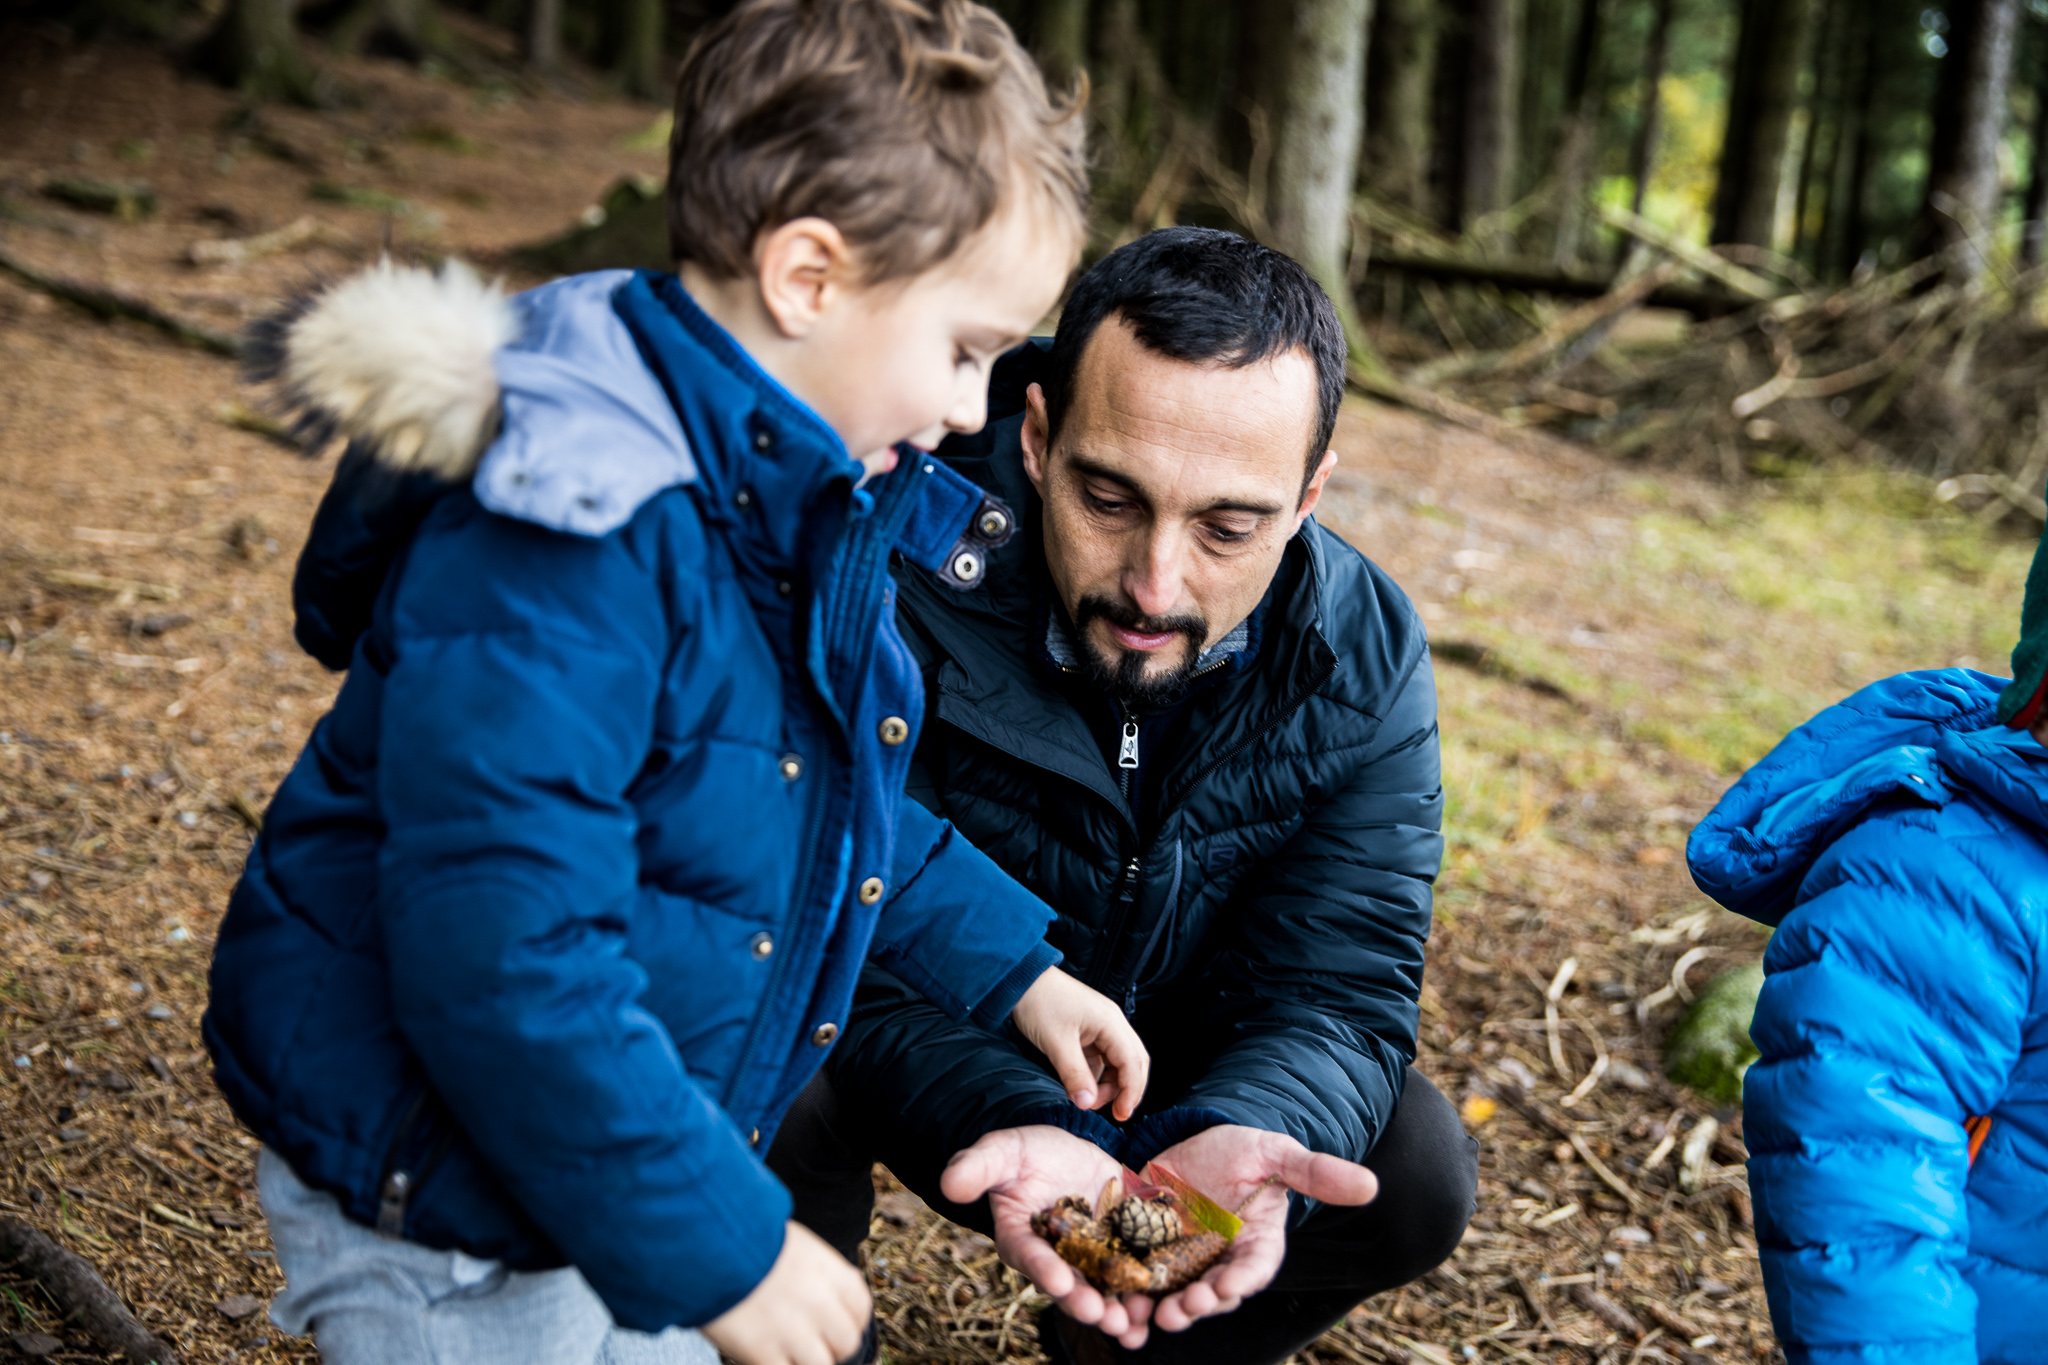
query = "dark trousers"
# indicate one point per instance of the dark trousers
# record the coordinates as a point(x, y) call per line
point(1428, 1169)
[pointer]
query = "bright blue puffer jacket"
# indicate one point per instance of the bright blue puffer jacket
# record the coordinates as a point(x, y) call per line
point(1899, 841)
point(567, 896)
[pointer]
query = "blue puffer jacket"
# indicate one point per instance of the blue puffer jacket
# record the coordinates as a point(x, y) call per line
point(1900, 842)
point(567, 896)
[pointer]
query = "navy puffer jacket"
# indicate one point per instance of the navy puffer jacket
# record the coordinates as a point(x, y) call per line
point(1898, 1118)
point(1262, 916)
point(567, 896)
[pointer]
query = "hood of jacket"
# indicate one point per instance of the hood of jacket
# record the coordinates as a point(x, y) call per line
point(557, 407)
point(540, 404)
point(1917, 737)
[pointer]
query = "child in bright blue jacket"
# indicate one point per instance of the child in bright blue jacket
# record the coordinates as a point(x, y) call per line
point(566, 898)
point(1897, 1119)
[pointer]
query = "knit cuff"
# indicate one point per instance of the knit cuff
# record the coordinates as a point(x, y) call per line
point(1168, 1128)
point(1082, 1123)
point(995, 1007)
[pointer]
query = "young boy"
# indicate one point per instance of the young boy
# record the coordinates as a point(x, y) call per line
point(566, 898)
point(1898, 1117)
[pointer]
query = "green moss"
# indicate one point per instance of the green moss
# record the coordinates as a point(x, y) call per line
point(1709, 1048)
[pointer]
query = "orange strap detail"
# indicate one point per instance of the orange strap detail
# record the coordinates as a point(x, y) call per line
point(1978, 1126)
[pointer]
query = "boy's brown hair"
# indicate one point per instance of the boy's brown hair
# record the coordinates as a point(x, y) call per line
point(905, 124)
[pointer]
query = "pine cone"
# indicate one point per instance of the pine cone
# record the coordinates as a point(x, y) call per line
point(1070, 1216)
point(1142, 1224)
point(1179, 1264)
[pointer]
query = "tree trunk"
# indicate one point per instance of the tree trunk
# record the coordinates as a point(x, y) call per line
point(638, 62)
point(1402, 62)
point(1585, 102)
point(1846, 233)
point(1763, 99)
point(1969, 119)
point(1643, 156)
point(254, 47)
point(543, 47)
point(1060, 38)
point(1490, 89)
point(2035, 235)
point(1824, 125)
point(1315, 147)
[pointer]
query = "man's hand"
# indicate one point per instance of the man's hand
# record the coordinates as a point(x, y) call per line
point(1092, 1047)
point(1230, 1164)
point(811, 1309)
point(1023, 1170)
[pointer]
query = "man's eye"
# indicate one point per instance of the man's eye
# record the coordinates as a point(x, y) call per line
point(1102, 504)
point(1227, 535)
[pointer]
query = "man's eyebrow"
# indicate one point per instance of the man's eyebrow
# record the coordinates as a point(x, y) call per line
point(1091, 469)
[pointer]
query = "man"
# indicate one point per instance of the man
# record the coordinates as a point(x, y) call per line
point(1203, 729)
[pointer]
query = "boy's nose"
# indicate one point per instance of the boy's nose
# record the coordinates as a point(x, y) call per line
point(970, 408)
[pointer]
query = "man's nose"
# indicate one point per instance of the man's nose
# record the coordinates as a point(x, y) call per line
point(1155, 572)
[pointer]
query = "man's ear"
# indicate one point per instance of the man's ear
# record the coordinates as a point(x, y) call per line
point(800, 267)
point(1313, 494)
point(1035, 438)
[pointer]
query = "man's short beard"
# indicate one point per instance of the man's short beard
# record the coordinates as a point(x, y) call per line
point(1124, 678)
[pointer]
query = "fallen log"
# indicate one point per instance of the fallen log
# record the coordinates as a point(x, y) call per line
point(1536, 279)
point(77, 1288)
point(106, 302)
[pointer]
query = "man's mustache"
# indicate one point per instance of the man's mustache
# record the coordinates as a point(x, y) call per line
point(1127, 615)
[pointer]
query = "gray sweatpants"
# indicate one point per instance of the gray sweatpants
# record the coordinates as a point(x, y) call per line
point(371, 1300)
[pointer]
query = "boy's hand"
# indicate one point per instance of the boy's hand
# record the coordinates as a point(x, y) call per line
point(1090, 1044)
point(1023, 1170)
point(810, 1310)
point(1233, 1164)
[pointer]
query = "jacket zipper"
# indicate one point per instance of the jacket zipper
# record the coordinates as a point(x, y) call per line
point(398, 1185)
point(1125, 892)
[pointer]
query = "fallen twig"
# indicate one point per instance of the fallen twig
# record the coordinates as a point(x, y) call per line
point(77, 1288)
point(106, 302)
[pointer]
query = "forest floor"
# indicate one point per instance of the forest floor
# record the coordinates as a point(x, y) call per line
point(1613, 645)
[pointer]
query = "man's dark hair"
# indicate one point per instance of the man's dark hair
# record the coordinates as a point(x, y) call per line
point(1206, 297)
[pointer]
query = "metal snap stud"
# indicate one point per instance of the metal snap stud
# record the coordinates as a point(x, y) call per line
point(783, 587)
point(967, 566)
point(762, 440)
point(791, 767)
point(894, 730)
point(761, 945)
point(871, 891)
point(992, 523)
point(744, 498)
point(825, 1034)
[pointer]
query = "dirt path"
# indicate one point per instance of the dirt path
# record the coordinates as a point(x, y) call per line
point(1611, 647)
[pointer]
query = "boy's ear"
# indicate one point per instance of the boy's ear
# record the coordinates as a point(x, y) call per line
point(800, 266)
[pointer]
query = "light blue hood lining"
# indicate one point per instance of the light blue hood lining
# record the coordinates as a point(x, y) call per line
point(588, 435)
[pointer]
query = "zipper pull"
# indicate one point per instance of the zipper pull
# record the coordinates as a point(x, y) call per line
point(391, 1203)
point(1127, 755)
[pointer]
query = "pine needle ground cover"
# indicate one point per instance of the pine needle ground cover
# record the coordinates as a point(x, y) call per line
point(1611, 648)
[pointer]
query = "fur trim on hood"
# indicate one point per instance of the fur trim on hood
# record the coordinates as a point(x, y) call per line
point(399, 359)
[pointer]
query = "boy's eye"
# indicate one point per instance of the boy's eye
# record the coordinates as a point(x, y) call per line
point(961, 356)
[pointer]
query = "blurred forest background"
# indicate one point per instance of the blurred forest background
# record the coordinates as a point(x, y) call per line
point(1495, 190)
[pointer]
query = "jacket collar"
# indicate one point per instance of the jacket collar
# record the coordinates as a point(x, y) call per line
point(992, 685)
point(764, 457)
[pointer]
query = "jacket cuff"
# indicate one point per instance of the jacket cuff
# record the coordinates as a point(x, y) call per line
point(1082, 1123)
point(995, 1007)
point(1168, 1128)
